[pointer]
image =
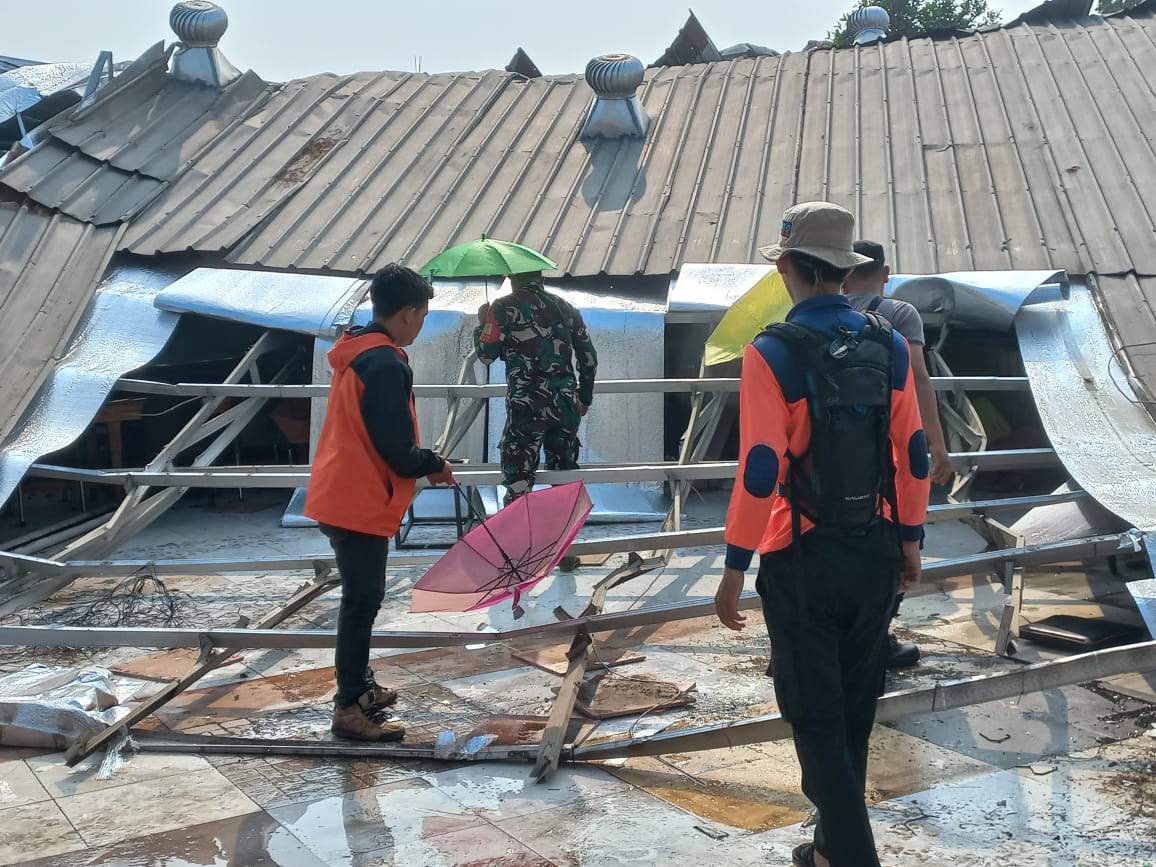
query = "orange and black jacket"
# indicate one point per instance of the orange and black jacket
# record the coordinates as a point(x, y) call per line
point(774, 422)
point(368, 458)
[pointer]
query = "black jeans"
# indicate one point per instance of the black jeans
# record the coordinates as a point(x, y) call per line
point(361, 563)
point(827, 607)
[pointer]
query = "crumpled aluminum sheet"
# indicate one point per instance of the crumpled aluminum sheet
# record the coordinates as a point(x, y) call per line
point(1059, 522)
point(978, 299)
point(303, 303)
point(1094, 420)
point(47, 706)
point(630, 339)
point(121, 332)
point(1144, 591)
point(712, 288)
point(628, 335)
point(25, 86)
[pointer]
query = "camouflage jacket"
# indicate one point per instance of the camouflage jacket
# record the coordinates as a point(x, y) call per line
point(537, 335)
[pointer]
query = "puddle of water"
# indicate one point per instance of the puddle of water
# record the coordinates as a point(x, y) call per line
point(750, 808)
point(482, 792)
point(253, 839)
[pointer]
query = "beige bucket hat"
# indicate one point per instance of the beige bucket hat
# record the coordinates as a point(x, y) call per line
point(818, 229)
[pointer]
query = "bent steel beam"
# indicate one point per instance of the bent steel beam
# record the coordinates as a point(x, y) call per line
point(947, 695)
point(165, 637)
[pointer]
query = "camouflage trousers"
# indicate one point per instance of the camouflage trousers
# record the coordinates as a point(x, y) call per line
point(525, 436)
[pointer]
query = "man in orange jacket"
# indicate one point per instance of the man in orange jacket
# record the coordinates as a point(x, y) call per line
point(827, 584)
point(365, 472)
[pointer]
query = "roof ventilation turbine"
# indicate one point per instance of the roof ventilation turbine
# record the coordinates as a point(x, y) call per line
point(868, 24)
point(616, 111)
point(199, 26)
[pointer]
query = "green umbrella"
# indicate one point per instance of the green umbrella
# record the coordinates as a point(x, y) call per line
point(486, 258)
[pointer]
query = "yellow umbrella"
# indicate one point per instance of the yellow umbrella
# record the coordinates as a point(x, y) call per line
point(765, 302)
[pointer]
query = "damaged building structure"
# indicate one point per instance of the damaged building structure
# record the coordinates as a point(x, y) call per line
point(181, 240)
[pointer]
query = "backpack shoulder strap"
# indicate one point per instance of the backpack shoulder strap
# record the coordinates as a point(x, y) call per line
point(882, 328)
point(874, 304)
point(799, 338)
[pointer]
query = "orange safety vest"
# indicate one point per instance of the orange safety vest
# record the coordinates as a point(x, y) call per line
point(352, 486)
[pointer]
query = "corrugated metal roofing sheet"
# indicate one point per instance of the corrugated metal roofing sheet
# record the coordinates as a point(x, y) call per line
point(49, 265)
point(1128, 302)
point(1026, 147)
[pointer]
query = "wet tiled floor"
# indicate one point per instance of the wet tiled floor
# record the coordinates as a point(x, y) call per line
point(1060, 778)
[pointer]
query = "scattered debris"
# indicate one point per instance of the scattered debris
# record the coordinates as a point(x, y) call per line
point(554, 660)
point(713, 833)
point(1000, 740)
point(1040, 770)
point(611, 695)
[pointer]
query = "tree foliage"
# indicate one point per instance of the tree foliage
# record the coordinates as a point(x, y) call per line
point(1105, 7)
point(916, 17)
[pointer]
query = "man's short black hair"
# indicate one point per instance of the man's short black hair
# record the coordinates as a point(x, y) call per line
point(814, 270)
point(874, 251)
point(396, 287)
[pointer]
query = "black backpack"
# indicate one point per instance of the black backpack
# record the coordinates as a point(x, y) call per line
point(847, 472)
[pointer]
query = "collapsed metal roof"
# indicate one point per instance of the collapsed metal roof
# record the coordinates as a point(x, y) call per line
point(958, 154)
point(49, 266)
point(1025, 147)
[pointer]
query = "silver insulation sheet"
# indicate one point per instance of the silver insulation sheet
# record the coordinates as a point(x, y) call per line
point(711, 289)
point(49, 706)
point(1144, 591)
point(976, 299)
point(629, 336)
point(1098, 427)
point(620, 428)
point(304, 303)
point(24, 87)
point(123, 331)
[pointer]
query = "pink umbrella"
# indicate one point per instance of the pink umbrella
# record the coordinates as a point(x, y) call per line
point(507, 554)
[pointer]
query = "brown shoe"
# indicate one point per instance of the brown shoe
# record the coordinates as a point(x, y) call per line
point(354, 723)
point(383, 696)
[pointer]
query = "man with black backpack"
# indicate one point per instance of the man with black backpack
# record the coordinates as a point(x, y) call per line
point(864, 288)
point(832, 491)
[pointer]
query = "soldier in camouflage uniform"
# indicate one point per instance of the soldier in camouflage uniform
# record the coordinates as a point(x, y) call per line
point(538, 335)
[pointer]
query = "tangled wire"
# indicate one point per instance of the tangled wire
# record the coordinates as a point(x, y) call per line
point(140, 599)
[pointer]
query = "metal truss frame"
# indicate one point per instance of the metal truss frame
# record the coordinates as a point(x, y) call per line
point(646, 552)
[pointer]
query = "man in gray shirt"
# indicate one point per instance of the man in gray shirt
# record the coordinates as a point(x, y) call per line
point(864, 289)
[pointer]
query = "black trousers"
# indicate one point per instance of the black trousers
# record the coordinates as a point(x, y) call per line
point(827, 604)
point(361, 563)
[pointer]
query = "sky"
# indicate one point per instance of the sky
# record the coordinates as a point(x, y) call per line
point(284, 39)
